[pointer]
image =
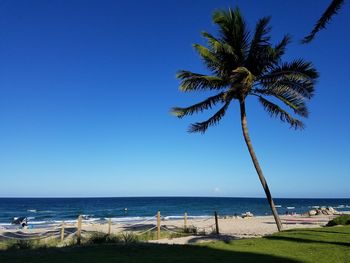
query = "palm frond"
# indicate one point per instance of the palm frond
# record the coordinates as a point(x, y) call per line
point(263, 56)
point(193, 81)
point(220, 57)
point(304, 88)
point(208, 57)
point(198, 107)
point(213, 120)
point(270, 56)
point(241, 64)
point(297, 75)
point(260, 38)
point(288, 96)
point(297, 68)
point(219, 47)
point(326, 17)
point(280, 48)
point(276, 111)
point(260, 48)
point(233, 30)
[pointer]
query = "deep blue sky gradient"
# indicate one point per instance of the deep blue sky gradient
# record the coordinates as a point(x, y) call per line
point(86, 87)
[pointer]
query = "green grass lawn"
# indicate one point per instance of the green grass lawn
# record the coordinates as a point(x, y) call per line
point(331, 244)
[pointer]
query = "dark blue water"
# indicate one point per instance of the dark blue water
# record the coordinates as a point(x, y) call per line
point(40, 210)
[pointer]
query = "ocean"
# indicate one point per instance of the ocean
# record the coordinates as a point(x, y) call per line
point(55, 210)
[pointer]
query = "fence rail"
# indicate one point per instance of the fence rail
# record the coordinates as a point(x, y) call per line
point(157, 223)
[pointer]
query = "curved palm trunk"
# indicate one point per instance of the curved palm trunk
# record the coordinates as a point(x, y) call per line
point(257, 165)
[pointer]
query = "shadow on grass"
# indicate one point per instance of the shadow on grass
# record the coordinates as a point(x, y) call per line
point(326, 230)
point(225, 238)
point(304, 240)
point(136, 253)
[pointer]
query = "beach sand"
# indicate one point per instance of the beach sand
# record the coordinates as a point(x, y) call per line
point(229, 227)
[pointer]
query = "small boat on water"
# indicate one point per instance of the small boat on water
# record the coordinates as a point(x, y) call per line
point(290, 207)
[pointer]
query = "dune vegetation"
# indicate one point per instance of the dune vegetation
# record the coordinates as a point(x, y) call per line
point(327, 244)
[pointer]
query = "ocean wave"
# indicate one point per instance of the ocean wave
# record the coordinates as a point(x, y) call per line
point(143, 218)
point(340, 206)
point(32, 210)
point(130, 219)
point(86, 217)
point(136, 219)
point(38, 222)
point(90, 219)
point(198, 217)
point(70, 221)
point(173, 217)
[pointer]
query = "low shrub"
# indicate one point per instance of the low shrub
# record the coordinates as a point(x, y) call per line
point(23, 244)
point(340, 220)
point(191, 230)
point(128, 237)
point(102, 238)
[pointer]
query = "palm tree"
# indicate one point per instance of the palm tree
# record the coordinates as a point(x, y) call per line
point(326, 17)
point(248, 65)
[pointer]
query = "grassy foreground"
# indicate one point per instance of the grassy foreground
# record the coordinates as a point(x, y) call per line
point(331, 244)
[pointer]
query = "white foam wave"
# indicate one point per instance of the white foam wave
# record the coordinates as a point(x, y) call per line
point(340, 206)
point(38, 222)
point(71, 221)
point(92, 219)
point(130, 219)
point(173, 217)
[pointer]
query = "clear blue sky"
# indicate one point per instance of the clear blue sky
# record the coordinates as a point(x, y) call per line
point(86, 87)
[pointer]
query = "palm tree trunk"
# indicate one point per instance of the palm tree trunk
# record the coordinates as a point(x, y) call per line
point(257, 165)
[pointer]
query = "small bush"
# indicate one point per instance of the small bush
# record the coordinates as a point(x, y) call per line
point(190, 230)
point(340, 220)
point(152, 235)
point(101, 238)
point(71, 241)
point(128, 237)
point(23, 244)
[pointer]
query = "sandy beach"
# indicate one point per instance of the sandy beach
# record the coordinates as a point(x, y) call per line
point(229, 227)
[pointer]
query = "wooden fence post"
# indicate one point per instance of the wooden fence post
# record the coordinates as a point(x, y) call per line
point(62, 232)
point(109, 226)
point(216, 223)
point(158, 225)
point(79, 230)
point(185, 221)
